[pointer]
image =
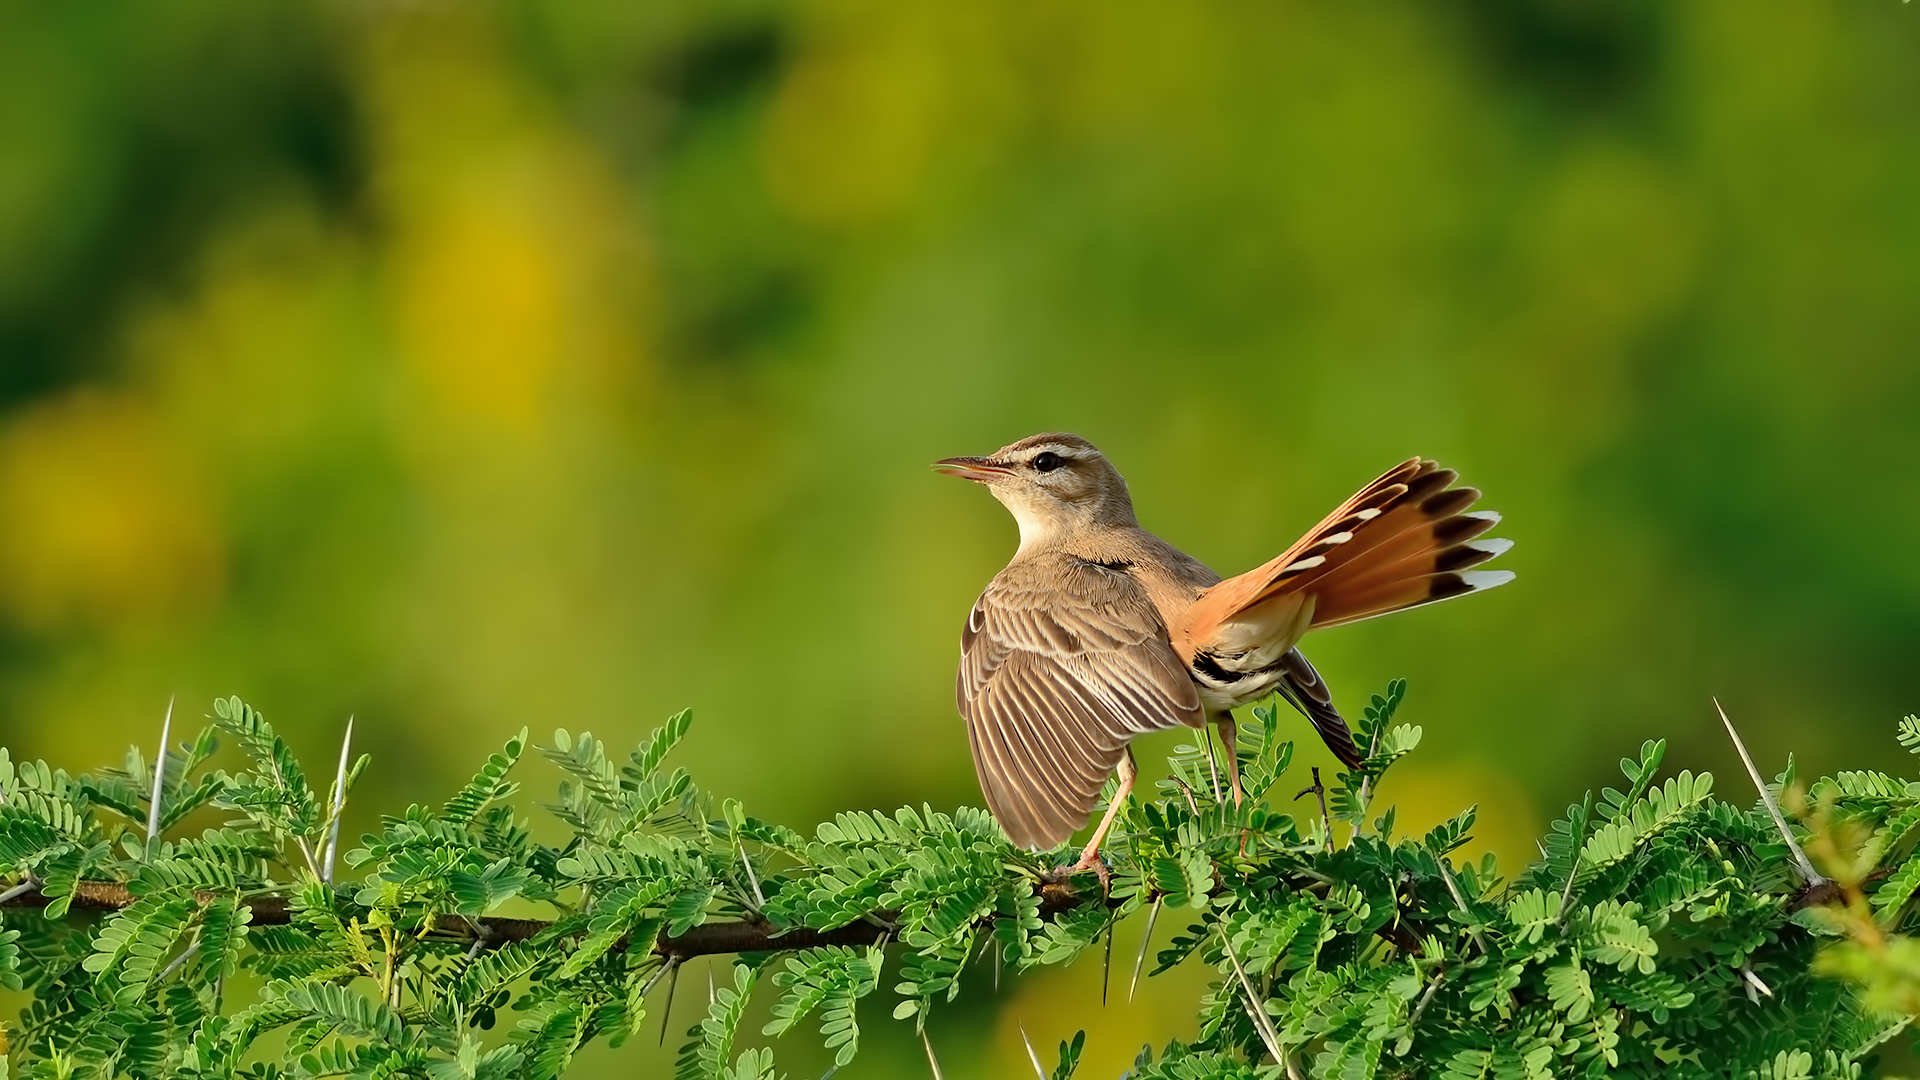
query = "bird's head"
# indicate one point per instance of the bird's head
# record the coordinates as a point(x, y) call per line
point(1057, 486)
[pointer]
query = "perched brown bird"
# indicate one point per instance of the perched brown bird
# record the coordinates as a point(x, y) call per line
point(1099, 631)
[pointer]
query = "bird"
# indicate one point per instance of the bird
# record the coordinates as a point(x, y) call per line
point(1098, 631)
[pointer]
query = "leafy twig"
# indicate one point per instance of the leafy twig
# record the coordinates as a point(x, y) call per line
point(1446, 875)
point(1319, 789)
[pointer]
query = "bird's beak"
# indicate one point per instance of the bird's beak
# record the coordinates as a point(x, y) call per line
point(984, 470)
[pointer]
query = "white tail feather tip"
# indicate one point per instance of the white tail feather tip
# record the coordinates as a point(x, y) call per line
point(1485, 579)
point(1482, 515)
point(1492, 546)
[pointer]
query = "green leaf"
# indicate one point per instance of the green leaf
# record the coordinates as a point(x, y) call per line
point(624, 910)
point(832, 980)
point(1898, 888)
point(1070, 1057)
point(646, 760)
point(275, 790)
point(1531, 913)
point(338, 1008)
point(1908, 732)
point(550, 1036)
point(1612, 935)
point(1570, 990)
point(1658, 927)
point(487, 785)
point(130, 948)
point(707, 1055)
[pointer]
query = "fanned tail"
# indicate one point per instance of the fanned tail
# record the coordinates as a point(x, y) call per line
point(1404, 540)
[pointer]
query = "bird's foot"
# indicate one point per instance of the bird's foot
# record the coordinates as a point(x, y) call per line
point(1090, 860)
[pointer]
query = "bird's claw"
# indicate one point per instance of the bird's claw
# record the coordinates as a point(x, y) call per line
point(1089, 861)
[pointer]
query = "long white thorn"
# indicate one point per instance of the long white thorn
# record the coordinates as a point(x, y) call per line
point(1256, 1009)
point(1460, 901)
point(932, 1062)
point(1039, 1070)
point(1213, 770)
point(159, 779)
point(1146, 940)
point(339, 803)
point(177, 961)
point(1426, 998)
point(1106, 962)
point(753, 879)
point(654, 980)
point(1800, 860)
point(673, 983)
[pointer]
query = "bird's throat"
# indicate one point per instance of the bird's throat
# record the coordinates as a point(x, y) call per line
point(1037, 532)
point(1042, 527)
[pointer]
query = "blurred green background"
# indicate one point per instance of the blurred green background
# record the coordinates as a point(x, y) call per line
point(465, 366)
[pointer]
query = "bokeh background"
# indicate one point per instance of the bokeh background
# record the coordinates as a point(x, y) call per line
point(465, 366)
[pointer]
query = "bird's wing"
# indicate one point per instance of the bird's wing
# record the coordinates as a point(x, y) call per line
point(1062, 662)
point(1305, 690)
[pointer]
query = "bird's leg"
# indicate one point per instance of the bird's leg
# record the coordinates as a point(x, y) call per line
point(1228, 733)
point(1213, 768)
point(1090, 855)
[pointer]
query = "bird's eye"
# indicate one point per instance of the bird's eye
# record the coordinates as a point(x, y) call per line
point(1047, 461)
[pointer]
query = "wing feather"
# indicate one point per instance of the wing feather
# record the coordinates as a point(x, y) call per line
point(1305, 690)
point(1062, 663)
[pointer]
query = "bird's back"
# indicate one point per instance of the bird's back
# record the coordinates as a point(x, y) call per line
point(1171, 578)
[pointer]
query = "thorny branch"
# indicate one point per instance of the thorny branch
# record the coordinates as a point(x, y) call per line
point(707, 939)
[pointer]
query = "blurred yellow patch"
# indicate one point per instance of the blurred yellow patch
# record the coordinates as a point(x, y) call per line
point(515, 268)
point(101, 520)
point(481, 310)
point(1426, 795)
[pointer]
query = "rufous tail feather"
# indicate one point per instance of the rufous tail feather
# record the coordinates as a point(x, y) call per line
point(1404, 540)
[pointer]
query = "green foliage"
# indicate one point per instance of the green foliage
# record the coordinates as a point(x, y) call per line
point(1662, 932)
point(710, 1044)
point(1069, 1057)
point(487, 785)
point(832, 980)
point(274, 793)
point(1909, 733)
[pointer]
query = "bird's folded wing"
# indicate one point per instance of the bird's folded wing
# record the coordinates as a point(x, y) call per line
point(1062, 663)
point(1305, 690)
